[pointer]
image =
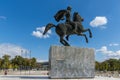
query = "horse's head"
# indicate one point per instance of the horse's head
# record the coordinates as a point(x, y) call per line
point(77, 17)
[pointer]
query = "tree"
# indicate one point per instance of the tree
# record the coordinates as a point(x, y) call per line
point(33, 62)
point(105, 66)
point(6, 62)
point(108, 65)
point(0, 63)
point(17, 62)
point(97, 65)
point(113, 64)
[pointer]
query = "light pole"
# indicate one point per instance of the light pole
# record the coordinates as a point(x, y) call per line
point(21, 62)
point(30, 62)
point(25, 61)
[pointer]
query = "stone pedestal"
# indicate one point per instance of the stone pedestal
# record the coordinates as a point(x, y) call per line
point(71, 62)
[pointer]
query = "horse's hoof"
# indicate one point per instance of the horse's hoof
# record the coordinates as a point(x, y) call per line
point(44, 33)
point(86, 41)
point(67, 45)
point(90, 36)
point(67, 39)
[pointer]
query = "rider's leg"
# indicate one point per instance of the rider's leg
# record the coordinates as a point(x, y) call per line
point(74, 25)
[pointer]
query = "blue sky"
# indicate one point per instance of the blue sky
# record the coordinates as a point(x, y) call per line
point(22, 21)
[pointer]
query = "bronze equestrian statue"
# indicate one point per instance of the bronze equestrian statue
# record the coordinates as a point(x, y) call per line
point(66, 29)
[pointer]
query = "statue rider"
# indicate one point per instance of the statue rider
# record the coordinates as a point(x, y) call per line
point(67, 13)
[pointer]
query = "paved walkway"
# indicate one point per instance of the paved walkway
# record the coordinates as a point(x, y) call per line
point(25, 72)
point(43, 77)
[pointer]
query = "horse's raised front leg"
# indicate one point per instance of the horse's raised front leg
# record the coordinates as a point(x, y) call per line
point(90, 33)
point(85, 37)
point(63, 42)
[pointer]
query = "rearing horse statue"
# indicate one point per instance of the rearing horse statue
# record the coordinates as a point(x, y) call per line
point(65, 29)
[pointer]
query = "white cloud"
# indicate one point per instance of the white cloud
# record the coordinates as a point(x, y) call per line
point(104, 50)
point(114, 44)
point(39, 33)
point(3, 18)
point(12, 50)
point(99, 21)
point(108, 53)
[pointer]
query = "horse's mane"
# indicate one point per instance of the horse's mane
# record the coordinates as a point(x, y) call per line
point(76, 17)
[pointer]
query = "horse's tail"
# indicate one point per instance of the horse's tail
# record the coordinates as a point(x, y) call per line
point(48, 26)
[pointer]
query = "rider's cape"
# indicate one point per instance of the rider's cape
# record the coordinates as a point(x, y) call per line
point(60, 15)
